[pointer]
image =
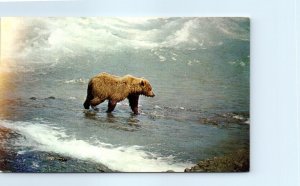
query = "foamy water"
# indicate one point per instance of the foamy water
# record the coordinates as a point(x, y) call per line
point(123, 158)
point(72, 36)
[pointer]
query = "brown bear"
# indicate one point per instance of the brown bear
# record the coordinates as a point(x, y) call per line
point(105, 86)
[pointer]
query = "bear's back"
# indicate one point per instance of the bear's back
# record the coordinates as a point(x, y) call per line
point(106, 75)
point(109, 79)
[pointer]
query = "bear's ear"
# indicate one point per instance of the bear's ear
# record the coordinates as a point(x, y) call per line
point(142, 83)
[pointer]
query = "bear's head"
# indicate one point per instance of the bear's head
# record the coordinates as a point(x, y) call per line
point(146, 88)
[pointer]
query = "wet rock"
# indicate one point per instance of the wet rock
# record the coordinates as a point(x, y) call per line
point(100, 169)
point(33, 98)
point(50, 97)
point(62, 159)
point(60, 163)
point(12, 160)
point(187, 170)
point(170, 171)
point(227, 118)
point(235, 162)
point(58, 158)
point(51, 158)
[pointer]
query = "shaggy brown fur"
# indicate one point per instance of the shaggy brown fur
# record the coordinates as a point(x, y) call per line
point(105, 86)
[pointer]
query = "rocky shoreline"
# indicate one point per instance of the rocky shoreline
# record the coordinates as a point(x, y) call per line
point(34, 161)
point(49, 162)
point(44, 162)
point(234, 162)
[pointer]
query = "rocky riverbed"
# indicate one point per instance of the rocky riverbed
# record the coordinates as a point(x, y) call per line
point(227, 118)
point(234, 162)
point(13, 160)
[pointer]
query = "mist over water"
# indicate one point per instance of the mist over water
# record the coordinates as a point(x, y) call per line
point(198, 68)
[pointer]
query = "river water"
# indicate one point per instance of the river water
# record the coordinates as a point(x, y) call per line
point(198, 67)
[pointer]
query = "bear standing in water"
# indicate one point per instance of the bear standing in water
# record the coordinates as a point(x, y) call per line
point(105, 86)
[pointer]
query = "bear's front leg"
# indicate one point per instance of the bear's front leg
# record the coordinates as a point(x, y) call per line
point(111, 105)
point(96, 101)
point(134, 103)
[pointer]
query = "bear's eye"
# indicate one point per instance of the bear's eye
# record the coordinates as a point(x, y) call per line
point(142, 83)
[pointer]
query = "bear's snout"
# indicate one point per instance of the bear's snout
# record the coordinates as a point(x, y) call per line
point(151, 94)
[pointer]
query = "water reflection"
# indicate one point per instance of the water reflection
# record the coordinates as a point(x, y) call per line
point(114, 120)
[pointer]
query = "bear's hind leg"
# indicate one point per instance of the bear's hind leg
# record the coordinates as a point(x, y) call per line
point(111, 106)
point(96, 101)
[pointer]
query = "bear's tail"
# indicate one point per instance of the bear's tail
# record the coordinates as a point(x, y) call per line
point(89, 97)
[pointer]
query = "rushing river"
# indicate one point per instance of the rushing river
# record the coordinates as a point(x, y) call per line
point(198, 67)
